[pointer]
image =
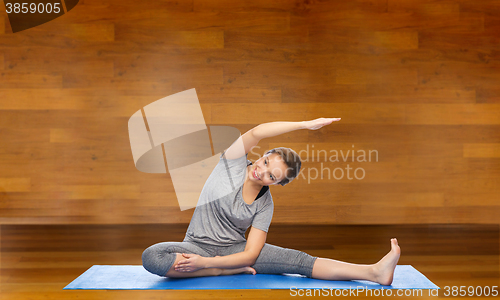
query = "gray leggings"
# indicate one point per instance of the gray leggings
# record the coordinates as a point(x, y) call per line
point(159, 258)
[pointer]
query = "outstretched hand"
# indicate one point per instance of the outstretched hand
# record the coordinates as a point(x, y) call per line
point(193, 262)
point(318, 123)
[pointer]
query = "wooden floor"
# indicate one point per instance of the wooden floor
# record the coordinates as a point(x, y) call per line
point(37, 261)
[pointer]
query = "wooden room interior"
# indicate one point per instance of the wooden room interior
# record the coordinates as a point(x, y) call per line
point(414, 80)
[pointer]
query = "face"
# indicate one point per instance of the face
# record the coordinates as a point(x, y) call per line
point(269, 169)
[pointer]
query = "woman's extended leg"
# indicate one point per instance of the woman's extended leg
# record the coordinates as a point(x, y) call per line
point(381, 272)
point(277, 260)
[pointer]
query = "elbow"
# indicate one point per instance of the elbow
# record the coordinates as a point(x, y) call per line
point(251, 259)
point(257, 132)
point(254, 133)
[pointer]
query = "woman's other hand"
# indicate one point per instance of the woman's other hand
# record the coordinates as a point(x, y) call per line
point(193, 262)
point(318, 123)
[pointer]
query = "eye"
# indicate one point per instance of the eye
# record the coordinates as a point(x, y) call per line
point(270, 176)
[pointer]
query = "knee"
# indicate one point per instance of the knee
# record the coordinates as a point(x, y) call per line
point(149, 257)
point(157, 261)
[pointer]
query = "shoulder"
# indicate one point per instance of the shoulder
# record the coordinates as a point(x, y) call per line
point(226, 177)
point(235, 166)
point(267, 200)
point(234, 162)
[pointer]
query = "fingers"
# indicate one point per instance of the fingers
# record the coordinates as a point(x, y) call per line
point(327, 119)
point(324, 121)
point(183, 262)
point(182, 266)
point(331, 120)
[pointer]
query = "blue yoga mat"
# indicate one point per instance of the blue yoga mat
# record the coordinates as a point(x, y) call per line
point(100, 277)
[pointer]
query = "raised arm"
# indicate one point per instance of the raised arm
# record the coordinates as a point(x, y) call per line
point(251, 138)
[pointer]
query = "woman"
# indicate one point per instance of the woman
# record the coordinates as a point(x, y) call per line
point(236, 196)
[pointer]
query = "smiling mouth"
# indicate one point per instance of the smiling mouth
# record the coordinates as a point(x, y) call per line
point(255, 174)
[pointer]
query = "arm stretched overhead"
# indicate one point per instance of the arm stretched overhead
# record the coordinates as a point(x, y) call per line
point(251, 138)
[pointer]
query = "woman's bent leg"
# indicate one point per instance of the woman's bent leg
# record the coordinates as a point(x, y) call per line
point(205, 272)
point(199, 273)
point(159, 258)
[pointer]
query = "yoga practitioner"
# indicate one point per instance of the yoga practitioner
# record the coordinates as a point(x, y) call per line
point(236, 196)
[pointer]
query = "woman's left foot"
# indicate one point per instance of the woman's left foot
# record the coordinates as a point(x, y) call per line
point(244, 270)
point(249, 270)
point(384, 269)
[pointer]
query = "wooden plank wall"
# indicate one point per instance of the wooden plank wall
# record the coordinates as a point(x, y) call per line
point(414, 80)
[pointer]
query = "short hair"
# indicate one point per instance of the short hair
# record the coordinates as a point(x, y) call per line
point(292, 161)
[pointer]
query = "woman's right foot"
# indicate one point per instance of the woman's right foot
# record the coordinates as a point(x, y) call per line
point(384, 269)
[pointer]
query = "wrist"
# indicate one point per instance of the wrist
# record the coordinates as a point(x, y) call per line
point(207, 262)
point(302, 125)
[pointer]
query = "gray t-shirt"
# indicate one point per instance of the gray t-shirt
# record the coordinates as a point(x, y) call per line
point(222, 216)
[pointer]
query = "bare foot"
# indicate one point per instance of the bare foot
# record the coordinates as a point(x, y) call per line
point(249, 270)
point(244, 270)
point(384, 269)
